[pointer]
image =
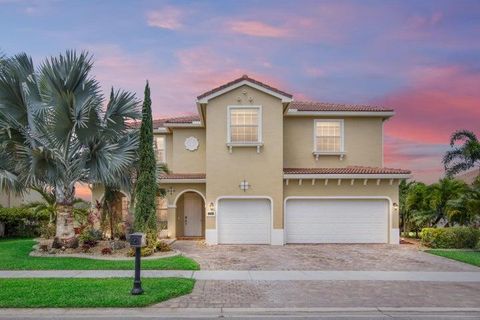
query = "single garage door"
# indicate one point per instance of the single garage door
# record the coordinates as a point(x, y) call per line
point(336, 221)
point(244, 221)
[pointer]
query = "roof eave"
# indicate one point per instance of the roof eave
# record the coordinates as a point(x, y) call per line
point(347, 176)
point(284, 98)
point(179, 180)
point(382, 114)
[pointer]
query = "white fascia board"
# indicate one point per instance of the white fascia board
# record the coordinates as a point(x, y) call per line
point(346, 176)
point(383, 114)
point(161, 130)
point(182, 181)
point(282, 97)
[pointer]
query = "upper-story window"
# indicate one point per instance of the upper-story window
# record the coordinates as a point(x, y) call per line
point(328, 136)
point(159, 144)
point(244, 125)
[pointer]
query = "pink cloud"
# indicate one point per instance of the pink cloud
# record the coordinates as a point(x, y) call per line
point(258, 29)
point(166, 18)
point(174, 87)
point(438, 101)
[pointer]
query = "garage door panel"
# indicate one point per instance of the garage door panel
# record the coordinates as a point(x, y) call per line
point(244, 221)
point(336, 221)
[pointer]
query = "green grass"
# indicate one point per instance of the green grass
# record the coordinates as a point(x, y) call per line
point(14, 256)
point(470, 257)
point(81, 293)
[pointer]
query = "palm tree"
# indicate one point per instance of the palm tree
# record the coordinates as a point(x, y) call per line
point(465, 209)
point(55, 133)
point(416, 207)
point(464, 157)
point(440, 194)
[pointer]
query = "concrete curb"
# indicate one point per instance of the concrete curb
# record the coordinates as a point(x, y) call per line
point(126, 313)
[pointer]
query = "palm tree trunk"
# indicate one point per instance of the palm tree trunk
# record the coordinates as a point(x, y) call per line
point(65, 234)
point(65, 221)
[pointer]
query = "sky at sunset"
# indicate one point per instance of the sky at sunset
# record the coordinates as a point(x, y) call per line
point(421, 58)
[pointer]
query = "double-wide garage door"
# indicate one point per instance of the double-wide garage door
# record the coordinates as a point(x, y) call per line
point(336, 221)
point(244, 221)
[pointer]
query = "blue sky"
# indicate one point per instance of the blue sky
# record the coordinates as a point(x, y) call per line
point(420, 57)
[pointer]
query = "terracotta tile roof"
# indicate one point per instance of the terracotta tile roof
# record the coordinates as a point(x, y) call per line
point(183, 176)
point(244, 77)
point(184, 119)
point(157, 123)
point(325, 106)
point(345, 170)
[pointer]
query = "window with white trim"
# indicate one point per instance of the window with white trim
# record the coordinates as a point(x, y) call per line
point(159, 146)
point(244, 125)
point(328, 136)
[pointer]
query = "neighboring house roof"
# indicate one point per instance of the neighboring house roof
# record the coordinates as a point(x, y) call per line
point(346, 170)
point(245, 79)
point(326, 106)
point(469, 176)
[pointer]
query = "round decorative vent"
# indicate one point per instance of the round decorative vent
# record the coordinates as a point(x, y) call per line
point(191, 143)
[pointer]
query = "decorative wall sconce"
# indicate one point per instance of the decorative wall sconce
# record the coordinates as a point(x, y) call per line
point(244, 185)
point(395, 206)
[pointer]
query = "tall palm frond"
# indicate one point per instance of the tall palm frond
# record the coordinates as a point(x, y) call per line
point(54, 131)
point(464, 157)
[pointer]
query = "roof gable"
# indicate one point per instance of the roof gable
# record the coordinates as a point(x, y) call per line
point(244, 80)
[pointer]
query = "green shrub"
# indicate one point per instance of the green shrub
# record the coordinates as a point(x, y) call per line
point(90, 237)
point(144, 252)
point(162, 246)
point(22, 221)
point(47, 230)
point(450, 238)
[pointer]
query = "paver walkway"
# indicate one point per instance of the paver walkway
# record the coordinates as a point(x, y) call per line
point(246, 275)
point(341, 294)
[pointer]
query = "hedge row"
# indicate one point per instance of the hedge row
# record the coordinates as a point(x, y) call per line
point(22, 221)
point(451, 238)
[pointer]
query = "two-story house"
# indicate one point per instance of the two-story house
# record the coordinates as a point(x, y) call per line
point(257, 167)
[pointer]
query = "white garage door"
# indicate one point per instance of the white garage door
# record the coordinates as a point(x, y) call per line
point(244, 221)
point(336, 221)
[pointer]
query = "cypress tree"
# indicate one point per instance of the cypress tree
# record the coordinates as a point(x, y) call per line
point(146, 187)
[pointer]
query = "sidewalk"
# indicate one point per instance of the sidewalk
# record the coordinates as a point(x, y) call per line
point(239, 275)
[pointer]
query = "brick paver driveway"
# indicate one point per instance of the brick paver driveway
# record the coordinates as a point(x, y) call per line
point(368, 257)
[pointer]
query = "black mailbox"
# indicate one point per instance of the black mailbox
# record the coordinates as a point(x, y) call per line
point(137, 240)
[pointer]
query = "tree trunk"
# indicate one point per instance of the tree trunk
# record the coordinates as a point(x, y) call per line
point(65, 234)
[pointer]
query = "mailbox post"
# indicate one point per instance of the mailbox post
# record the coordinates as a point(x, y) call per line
point(137, 241)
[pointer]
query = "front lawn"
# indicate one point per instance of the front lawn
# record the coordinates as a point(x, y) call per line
point(81, 293)
point(14, 256)
point(470, 257)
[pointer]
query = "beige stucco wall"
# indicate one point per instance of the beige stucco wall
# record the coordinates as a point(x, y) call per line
point(11, 200)
point(332, 189)
point(264, 170)
point(363, 143)
point(183, 160)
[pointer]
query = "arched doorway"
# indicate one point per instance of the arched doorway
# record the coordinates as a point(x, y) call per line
point(190, 216)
